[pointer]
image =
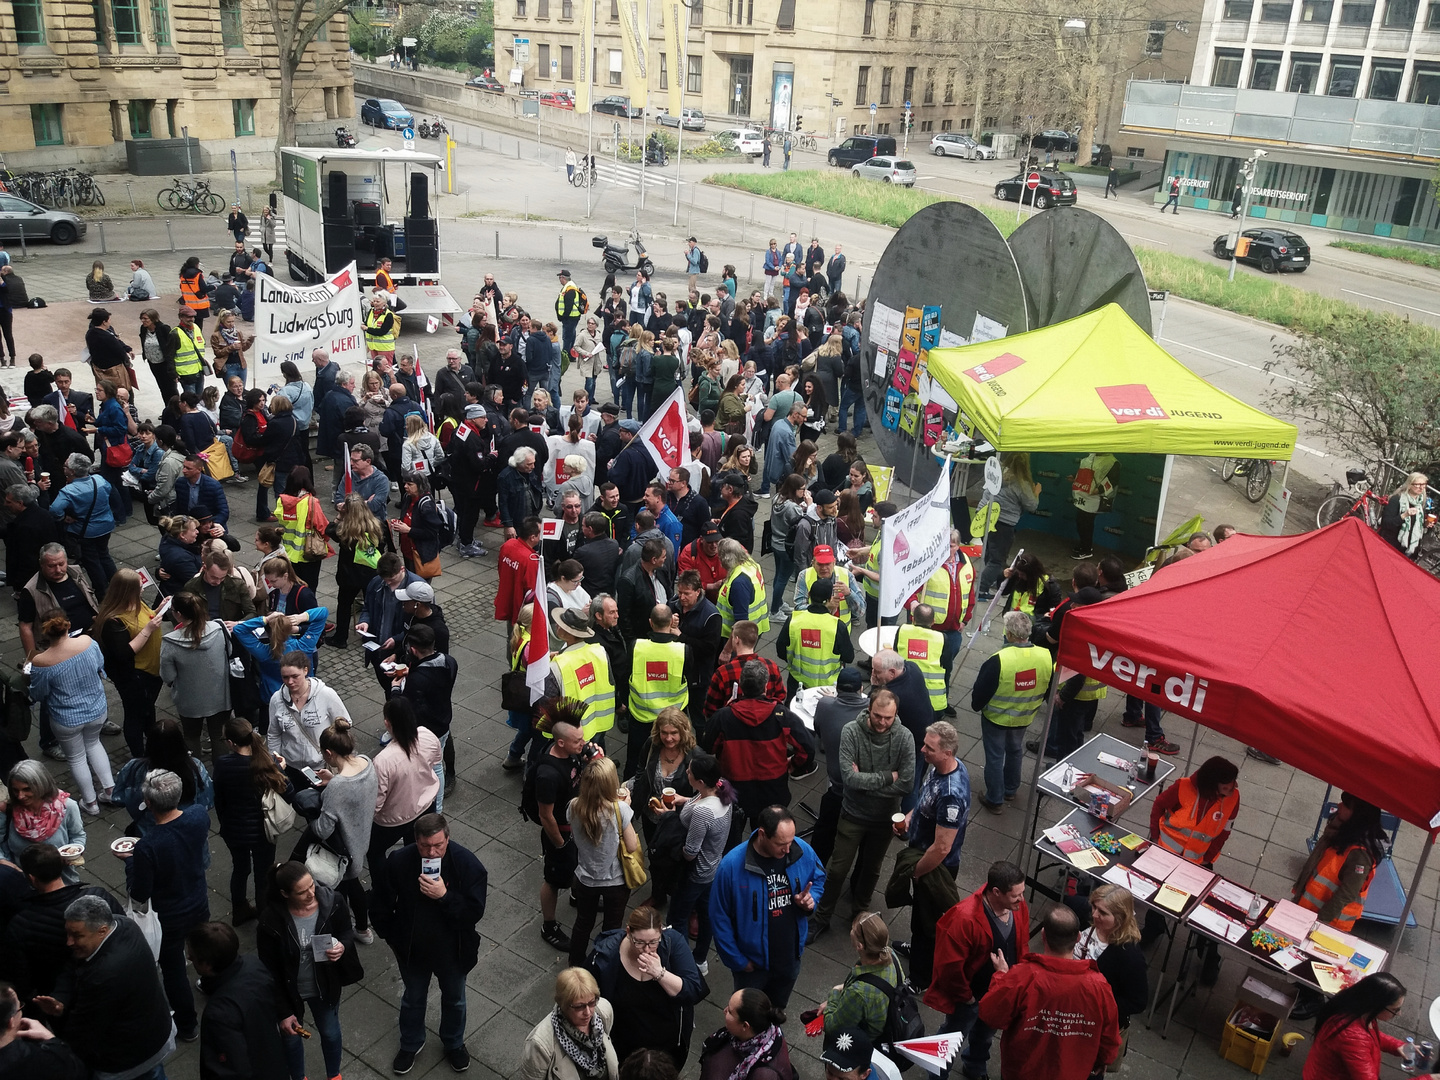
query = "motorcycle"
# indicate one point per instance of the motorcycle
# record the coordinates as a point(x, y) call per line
point(343, 139)
point(615, 257)
point(656, 155)
point(433, 129)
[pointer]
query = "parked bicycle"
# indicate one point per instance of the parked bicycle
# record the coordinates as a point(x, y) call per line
point(805, 140)
point(196, 197)
point(65, 187)
point(1358, 500)
point(1256, 472)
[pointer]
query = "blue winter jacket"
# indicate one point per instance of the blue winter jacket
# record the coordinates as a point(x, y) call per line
point(739, 904)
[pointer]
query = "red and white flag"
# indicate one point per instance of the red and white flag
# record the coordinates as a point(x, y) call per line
point(931, 1052)
point(666, 435)
point(537, 651)
point(349, 481)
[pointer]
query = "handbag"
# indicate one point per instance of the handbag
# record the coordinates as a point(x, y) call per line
point(217, 461)
point(326, 867)
point(148, 920)
point(119, 455)
point(428, 569)
point(632, 863)
point(279, 814)
point(266, 475)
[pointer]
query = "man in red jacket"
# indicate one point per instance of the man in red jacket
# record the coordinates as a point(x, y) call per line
point(1057, 1013)
point(993, 922)
point(518, 564)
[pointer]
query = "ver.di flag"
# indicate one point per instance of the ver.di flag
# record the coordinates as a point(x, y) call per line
point(291, 321)
point(666, 435)
point(537, 650)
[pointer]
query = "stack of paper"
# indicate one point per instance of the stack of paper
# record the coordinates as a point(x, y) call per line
point(1140, 887)
point(1171, 898)
point(1290, 920)
point(1157, 862)
point(1227, 892)
point(1088, 859)
point(1331, 979)
point(1132, 841)
point(1217, 923)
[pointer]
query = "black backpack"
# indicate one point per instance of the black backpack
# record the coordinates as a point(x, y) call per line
point(704, 263)
point(529, 804)
point(902, 1015)
point(582, 300)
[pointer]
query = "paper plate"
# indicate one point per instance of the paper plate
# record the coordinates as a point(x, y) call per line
point(123, 845)
point(1435, 1017)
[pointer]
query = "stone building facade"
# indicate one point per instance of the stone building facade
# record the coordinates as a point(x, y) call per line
point(81, 78)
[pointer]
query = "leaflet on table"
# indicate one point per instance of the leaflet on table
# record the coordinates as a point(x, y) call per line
point(1235, 895)
point(1332, 979)
point(1290, 920)
point(1113, 761)
point(1193, 879)
point(1156, 862)
point(1288, 959)
point(1219, 924)
point(1139, 886)
point(1133, 842)
point(1089, 859)
point(1171, 898)
point(1336, 946)
point(1063, 777)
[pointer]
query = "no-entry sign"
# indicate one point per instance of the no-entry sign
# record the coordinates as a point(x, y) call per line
point(1032, 181)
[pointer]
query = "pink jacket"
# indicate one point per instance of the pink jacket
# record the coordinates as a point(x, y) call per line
point(1351, 1052)
point(408, 785)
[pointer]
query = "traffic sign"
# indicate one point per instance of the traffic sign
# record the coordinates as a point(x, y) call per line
point(1032, 181)
point(409, 144)
point(907, 104)
point(873, 107)
point(529, 93)
point(408, 134)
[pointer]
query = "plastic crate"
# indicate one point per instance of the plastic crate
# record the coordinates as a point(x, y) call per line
point(1245, 1049)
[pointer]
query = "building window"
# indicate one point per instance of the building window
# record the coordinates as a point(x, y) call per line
point(1317, 11)
point(614, 10)
point(520, 9)
point(542, 9)
point(140, 119)
point(869, 30)
point(697, 13)
point(232, 29)
point(29, 23)
point(1344, 76)
point(950, 87)
point(945, 125)
point(929, 86)
point(886, 76)
point(786, 18)
point(1273, 13)
point(322, 32)
point(543, 55)
point(244, 113)
point(614, 67)
point(45, 119)
point(927, 125)
point(1357, 14)
point(97, 12)
point(1238, 10)
point(862, 86)
point(1227, 68)
point(694, 74)
point(1432, 16)
point(966, 123)
point(1426, 88)
point(892, 18)
point(882, 129)
point(741, 71)
point(1400, 14)
point(1155, 38)
point(567, 9)
point(914, 20)
point(664, 73)
point(567, 62)
point(1385, 79)
point(1265, 71)
point(160, 22)
point(1304, 73)
point(909, 85)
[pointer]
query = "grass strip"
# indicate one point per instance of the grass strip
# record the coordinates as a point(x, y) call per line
point(1392, 251)
point(1265, 298)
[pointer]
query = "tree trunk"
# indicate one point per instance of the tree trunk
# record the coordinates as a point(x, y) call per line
point(285, 136)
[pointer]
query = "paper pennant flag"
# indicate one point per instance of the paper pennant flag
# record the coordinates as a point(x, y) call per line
point(933, 1052)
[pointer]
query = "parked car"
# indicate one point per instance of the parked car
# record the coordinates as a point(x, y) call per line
point(488, 83)
point(1055, 190)
point(958, 144)
point(616, 105)
point(382, 112)
point(745, 140)
point(1272, 250)
point(858, 148)
point(1054, 140)
point(61, 226)
point(886, 169)
point(557, 100)
point(689, 119)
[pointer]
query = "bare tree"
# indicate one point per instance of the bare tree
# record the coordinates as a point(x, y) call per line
point(296, 24)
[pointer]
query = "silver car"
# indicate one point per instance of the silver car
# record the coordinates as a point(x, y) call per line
point(689, 119)
point(957, 144)
point(37, 222)
point(887, 170)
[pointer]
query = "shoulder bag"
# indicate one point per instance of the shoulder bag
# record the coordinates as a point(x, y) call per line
point(279, 814)
point(327, 867)
point(632, 863)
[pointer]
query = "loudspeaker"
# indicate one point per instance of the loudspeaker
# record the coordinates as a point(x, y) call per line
point(419, 195)
point(419, 226)
point(367, 213)
point(274, 201)
point(339, 208)
point(422, 254)
point(339, 246)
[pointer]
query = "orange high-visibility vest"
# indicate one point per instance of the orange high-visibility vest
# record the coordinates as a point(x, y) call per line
point(1326, 880)
point(1189, 836)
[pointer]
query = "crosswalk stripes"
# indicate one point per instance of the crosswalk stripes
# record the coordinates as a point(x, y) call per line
point(252, 235)
point(623, 174)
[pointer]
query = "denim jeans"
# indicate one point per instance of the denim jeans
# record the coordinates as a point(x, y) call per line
point(175, 975)
point(590, 386)
point(855, 398)
point(626, 400)
point(416, 978)
point(1134, 706)
point(693, 896)
point(1004, 758)
point(643, 393)
point(440, 775)
point(95, 558)
point(784, 571)
point(777, 983)
point(977, 1038)
point(327, 1025)
point(954, 642)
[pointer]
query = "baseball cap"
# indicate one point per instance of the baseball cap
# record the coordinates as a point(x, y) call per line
point(849, 679)
point(563, 273)
point(711, 531)
point(823, 553)
point(416, 590)
point(847, 1049)
point(610, 409)
point(574, 622)
point(630, 425)
point(823, 496)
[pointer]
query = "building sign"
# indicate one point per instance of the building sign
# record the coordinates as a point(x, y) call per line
point(1278, 193)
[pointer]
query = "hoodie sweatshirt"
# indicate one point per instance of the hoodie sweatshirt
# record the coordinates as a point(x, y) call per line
point(754, 738)
point(1058, 1016)
point(197, 674)
point(871, 795)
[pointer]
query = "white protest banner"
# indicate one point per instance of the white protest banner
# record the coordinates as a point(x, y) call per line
point(913, 544)
point(666, 436)
point(293, 320)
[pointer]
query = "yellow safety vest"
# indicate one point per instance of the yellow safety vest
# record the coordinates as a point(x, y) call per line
point(657, 679)
point(1024, 679)
point(759, 612)
point(811, 654)
point(1093, 690)
point(293, 530)
point(936, 593)
point(1024, 601)
point(585, 676)
point(842, 590)
point(923, 646)
point(376, 341)
point(872, 563)
point(190, 356)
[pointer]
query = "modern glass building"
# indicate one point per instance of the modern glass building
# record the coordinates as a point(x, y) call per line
point(1338, 95)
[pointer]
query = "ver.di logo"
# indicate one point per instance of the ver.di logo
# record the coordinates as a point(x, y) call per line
point(993, 369)
point(901, 548)
point(1131, 402)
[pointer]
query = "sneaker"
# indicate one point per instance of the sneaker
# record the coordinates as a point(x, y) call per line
point(1128, 722)
point(817, 929)
point(237, 479)
point(512, 764)
point(810, 770)
point(1163, 746)
point(1260, 755)
point(493, 522)
point(365, 937)
point(993, 807)
point(459, 1058)
point(703, 967)
point(54, 753)
point(243, 914)
point(90, 810)
point(765, 495)
point(555, 936)
point(110, 728)
point(949, 711)
point(386, 738)
point(901, 947)
point(405, 1061)
point(1080, 556)
point(189, 1036)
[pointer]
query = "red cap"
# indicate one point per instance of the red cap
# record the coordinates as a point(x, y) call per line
point(823, 553)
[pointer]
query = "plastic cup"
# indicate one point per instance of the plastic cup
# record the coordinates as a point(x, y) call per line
point(897, 819)
point(667, 796)
point(1151, 761)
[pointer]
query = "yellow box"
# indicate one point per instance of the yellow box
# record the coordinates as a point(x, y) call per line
point(1244, 1049)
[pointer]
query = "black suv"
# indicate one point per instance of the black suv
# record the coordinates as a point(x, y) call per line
point(860, 148)
point(1055, 189)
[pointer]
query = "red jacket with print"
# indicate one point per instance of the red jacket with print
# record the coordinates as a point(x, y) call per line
point(963, 943)
point(1058, 1016)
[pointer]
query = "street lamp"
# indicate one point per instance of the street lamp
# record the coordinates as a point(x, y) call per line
point(1247, 170)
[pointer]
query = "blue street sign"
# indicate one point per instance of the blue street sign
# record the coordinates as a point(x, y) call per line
point(907, 104)
point(408, 134)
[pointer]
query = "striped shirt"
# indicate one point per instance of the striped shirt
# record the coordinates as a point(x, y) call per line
point(707, 823)
point(72, 688)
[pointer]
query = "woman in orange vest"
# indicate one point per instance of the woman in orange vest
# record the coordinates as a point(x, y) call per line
point(1334, 880)
point(1192, 818)
point(195, 290)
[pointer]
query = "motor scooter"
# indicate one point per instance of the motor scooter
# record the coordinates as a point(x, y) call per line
point(615, 256)
point(343, 139)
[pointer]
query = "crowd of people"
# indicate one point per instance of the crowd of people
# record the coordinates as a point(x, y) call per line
point(655, 766)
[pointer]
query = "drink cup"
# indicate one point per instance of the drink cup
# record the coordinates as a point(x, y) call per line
point(45, 476)
point(1151, 761)
point(668, 796)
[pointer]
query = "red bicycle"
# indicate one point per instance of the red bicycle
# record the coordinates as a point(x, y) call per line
point(1359, 500)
